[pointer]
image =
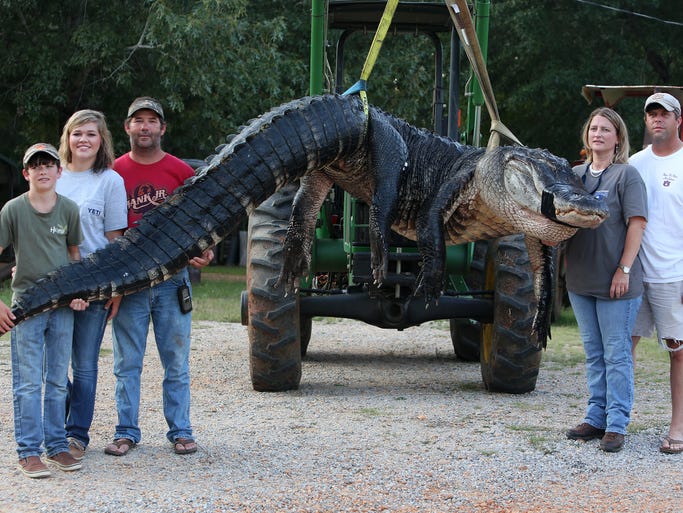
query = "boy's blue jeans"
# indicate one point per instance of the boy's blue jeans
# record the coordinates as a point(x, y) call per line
point(605, 326)
point(172, 335)
point(89, 326)
point(41, 346)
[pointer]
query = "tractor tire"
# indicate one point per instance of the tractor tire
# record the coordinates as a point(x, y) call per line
point(273, 318)
point(305, 329)
point(510, 352)
point(466, 333)
point(466, 336)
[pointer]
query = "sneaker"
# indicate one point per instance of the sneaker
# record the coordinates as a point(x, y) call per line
point(612, 442)
point(64, 461)
point(585, 432)
point(34, 467)
point(76, 448)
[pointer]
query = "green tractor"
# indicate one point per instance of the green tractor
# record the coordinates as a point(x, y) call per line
point(489, 299)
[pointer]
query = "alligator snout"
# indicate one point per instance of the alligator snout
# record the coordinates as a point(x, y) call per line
point(575, 208)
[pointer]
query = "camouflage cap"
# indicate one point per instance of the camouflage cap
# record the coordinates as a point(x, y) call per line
point(40, 148)
point(146, 102)
point(664, 100)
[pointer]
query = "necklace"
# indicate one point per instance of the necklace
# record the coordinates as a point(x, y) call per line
point(595, 173)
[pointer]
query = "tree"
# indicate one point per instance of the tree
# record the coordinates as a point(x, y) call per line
point(212, 63)
point(216, 63)
point(541, 53)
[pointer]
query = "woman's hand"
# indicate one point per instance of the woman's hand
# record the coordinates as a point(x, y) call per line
point(619, 286)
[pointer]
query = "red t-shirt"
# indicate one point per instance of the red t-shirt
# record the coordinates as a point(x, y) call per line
point(148, 185)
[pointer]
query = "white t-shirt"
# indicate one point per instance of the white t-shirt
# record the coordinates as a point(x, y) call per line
point(662, 246)
point(101, 198)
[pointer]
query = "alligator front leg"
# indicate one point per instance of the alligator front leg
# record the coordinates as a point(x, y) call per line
point(388, 161)
point(431, 232)
point(301, 230)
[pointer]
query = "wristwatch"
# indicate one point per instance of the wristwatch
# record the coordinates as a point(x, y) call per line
point(625, 268)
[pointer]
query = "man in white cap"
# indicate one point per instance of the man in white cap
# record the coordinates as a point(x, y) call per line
point(661, 166)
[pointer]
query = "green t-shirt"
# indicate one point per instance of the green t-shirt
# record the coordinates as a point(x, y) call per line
point(40, 240)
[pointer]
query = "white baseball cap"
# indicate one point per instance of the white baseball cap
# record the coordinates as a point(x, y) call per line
point(664, 100)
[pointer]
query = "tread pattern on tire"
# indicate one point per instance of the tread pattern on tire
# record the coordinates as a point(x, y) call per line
point(510, 353)
point(275, 354)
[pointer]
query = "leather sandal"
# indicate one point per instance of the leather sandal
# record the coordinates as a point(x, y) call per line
point(668, 449)
point(119, 447)
point(184, 446)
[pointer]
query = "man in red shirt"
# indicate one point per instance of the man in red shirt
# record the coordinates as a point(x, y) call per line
point(150, 176)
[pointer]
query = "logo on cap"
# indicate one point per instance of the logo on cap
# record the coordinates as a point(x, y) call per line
point(664, 100)
point(40, 148)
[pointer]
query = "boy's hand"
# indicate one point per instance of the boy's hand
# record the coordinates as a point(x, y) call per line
point(6, 318)
point(78, 305)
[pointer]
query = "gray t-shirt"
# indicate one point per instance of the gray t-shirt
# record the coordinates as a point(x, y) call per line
point(593, 255)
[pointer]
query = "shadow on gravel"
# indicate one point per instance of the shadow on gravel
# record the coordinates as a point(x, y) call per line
point(374, 358)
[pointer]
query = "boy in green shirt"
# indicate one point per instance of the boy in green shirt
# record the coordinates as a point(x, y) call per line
point(44, 228)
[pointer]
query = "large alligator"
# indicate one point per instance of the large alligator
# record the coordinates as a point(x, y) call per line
point(428, 188)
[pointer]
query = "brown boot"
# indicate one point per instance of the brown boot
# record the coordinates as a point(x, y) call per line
point(612, 442)
point(585, 432)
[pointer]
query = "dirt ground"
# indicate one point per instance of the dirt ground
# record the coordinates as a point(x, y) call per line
point(383, 421)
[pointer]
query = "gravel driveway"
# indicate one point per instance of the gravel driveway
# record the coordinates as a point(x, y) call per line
point(383, 421)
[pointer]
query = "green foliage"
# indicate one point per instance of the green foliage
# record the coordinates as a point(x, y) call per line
point(215, 64)
point(212, 63)
point(541, 53)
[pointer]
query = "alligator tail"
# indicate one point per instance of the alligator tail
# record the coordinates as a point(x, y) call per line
point(269, 152)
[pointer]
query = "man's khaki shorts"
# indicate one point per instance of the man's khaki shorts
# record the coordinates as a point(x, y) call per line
point(662, 308)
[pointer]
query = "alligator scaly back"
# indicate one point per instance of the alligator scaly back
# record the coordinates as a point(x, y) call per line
point(272, 150)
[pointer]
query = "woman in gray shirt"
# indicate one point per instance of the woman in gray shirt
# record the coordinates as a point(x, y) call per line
point(604, 279)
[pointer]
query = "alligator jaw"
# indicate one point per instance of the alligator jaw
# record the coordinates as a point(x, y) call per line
point(573, 210)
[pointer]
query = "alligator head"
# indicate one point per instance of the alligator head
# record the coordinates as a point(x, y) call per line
point(538, 193)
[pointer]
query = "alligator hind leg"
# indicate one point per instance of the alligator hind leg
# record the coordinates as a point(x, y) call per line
point(432, 246)
point(388, 160)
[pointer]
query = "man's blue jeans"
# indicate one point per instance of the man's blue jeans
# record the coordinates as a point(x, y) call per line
point(41, 347)
point(605, 326)
point(172, 335)
point(89, 326)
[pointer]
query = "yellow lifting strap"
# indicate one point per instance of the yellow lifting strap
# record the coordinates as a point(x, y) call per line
point(384, 23)
point(462, 19)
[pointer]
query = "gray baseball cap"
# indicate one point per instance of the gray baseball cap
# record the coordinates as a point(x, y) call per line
point(40, 148)
point(146, 102)
point(664, 100)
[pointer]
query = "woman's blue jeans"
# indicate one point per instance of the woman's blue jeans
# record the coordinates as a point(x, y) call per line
point(172, 335)
point(40, 348)
point(89, 326)
point(605, 326)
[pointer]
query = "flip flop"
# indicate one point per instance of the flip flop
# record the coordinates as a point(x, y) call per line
point(667, 449)
point(119, 447)
point(184, 446)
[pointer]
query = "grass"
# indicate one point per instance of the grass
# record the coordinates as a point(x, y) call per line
point(217, 296)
